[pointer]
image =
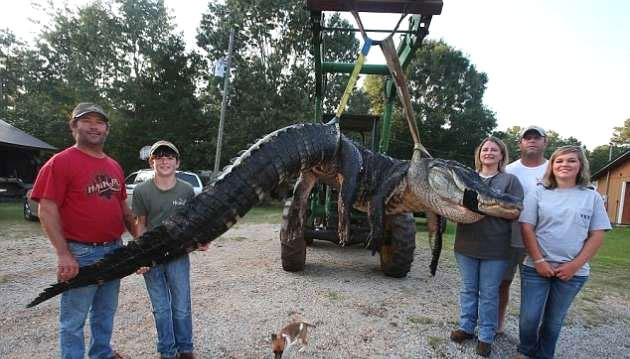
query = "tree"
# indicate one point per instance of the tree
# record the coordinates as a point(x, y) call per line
point(619, 144)
point(554, 140)
point(125, 55)
point(447, 96)
point(512, 138)
point(621, 136)
point(603, 155)
point(272, 78)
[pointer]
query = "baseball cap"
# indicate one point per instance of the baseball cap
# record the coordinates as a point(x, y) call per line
point(537, 129)
point(87, 107)
point(163, 143)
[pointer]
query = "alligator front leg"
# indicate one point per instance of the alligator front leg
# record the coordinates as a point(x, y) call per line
point(295, 214)
point(436, 225)
point(292, 243)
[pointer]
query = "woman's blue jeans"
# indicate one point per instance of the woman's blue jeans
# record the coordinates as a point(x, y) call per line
point(168, 285)
point(479, 294)
point(544, 305)
point(100, 301)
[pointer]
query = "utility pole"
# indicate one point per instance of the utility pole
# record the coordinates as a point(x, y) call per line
point(610, 147)
point(226, 83)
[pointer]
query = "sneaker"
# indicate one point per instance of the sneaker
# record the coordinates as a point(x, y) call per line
point(459, 336)
point(186, 356)
point(118, 355)
point(484, 349)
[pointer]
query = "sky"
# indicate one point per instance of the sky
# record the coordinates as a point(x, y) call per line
point(560, 64)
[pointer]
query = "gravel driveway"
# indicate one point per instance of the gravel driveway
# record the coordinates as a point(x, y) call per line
point(241, 295)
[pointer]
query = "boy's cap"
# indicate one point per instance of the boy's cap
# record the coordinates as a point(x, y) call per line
point(163, 143)
point(87, 107)
point(536, 129)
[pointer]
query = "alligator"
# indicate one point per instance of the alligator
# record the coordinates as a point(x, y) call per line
point(377, 183)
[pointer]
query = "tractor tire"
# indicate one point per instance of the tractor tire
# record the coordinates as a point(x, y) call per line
point(399, 245)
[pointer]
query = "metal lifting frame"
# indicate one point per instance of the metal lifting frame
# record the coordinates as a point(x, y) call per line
point(422, 12)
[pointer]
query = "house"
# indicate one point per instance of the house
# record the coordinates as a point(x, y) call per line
point(19, 159)
point(613, 183)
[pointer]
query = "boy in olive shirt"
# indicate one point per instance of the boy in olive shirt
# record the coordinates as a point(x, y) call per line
point(168, 284)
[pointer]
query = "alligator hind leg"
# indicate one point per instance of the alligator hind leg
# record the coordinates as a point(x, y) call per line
point(293, 246)
point(350, 167)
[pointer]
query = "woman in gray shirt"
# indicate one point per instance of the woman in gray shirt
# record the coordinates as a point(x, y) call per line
point(562, 224)
point(482, 250)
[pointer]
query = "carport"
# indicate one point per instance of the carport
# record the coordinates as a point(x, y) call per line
point(19, 159)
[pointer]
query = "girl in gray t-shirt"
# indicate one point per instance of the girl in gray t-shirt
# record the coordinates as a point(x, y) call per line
point(563, 224)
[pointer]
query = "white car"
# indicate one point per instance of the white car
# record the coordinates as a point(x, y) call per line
point(140, 176)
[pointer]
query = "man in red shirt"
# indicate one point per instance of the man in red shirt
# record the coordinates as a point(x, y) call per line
point(82, 209)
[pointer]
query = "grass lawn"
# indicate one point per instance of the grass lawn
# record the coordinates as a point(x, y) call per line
point(268, 214)
point(610, 268)
point(11, 211)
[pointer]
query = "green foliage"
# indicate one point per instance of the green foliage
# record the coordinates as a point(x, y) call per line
point(447, 96)
point(373, 86)
point(124, 55)
point(619, 144)
point(554, 140)
point(272, 81)
point(598, 158)
point(512, 138)
point(621, 136)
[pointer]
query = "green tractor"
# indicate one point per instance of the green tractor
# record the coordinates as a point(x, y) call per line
point(396, 253)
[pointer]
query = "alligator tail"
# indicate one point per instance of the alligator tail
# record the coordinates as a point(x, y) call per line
point(274, 158)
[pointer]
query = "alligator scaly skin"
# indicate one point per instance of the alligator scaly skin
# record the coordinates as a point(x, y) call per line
point(258, 171)
point(371, 182)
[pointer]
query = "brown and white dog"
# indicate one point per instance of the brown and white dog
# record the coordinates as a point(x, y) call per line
point(288, 336)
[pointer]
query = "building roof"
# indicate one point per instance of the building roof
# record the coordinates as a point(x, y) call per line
point(13, 136)
point(611, 165)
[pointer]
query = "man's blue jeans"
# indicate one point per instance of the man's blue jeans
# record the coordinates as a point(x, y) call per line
point(544, 304)
point(168, 285)
point(479, 294)
point(100, 301)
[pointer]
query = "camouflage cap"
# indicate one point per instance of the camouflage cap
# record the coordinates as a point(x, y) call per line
point(87, 107)
point(163, 143)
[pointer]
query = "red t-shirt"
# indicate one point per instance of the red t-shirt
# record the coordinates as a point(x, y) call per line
point(89, 192)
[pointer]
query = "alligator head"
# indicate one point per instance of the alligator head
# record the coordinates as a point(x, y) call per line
point(457, 192)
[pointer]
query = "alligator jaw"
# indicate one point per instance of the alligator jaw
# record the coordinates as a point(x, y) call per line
point(463, 189)
point(498, 208)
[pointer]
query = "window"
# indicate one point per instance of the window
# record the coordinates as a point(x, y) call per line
point(130, 178)
point(143, 176)
point(188, 178)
